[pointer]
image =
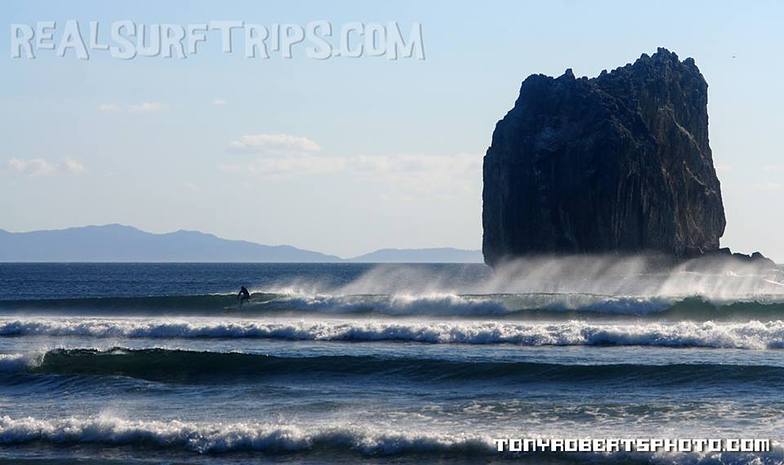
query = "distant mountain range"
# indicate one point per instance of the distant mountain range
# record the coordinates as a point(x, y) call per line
point(434, 255)
point(119, 243)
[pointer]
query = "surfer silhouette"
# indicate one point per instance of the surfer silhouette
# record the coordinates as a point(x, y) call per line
point(243, 295)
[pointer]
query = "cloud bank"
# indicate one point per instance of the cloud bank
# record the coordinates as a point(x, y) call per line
point(283, 155)
point(143, 107)
point(274, 144)
point(43, 167)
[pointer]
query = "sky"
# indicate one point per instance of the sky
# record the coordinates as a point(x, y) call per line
point(345, 155)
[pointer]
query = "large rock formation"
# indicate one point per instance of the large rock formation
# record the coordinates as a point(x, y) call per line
point(618, 163)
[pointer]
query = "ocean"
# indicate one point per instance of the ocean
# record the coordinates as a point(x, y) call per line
point(370, 363)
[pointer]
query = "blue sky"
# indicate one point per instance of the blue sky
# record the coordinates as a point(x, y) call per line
point(347, 155)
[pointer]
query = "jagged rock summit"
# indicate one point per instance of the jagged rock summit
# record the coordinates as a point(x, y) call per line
point(618, 163)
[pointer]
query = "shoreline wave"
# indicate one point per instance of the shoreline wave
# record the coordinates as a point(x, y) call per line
point(212, 438)
point(204, 438)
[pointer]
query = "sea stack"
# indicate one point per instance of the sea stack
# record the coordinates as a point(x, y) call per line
point(619, 163)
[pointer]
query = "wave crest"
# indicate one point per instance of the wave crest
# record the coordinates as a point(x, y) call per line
point(184, 366)
point(532, 306)
point(271, 438)
point(736, 335)
point(223, 437)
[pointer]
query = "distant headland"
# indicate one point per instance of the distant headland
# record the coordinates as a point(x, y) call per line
point(120, 243)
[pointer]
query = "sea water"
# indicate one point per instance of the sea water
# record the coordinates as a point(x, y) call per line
point(363, 363)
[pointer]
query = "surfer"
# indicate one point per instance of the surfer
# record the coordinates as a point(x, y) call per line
point(243, 295)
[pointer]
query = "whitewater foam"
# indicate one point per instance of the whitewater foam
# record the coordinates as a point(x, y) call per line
point(19, 362)
point(736, 335)
point(272, 438)
point(227, 437)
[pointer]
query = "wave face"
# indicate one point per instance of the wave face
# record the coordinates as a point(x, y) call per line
point(502, 306)
point(326, 440)
point(586, 286)
point(193, 366)
point(745, 335)
point(221, 437)
point(178, 303)
point(10, 363)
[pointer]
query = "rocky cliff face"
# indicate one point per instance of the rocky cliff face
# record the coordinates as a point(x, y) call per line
point(618, 163)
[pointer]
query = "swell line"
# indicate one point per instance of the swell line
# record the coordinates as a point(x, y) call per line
point(220, 367)
point(504, 306)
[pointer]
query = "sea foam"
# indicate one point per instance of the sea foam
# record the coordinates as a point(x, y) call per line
point(736, 335)
point(271, 438)
point(226, 437)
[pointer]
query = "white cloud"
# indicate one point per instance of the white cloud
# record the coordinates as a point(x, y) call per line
point(286, 166)
point(109, 107)
point(769, 186)
point(274, 144)
point(73, 166)
point(41, 167)
point(146, 107)
point(219, 101)
point(283, 155)
point(32, 167)
point(143, 107)
point(441, 175)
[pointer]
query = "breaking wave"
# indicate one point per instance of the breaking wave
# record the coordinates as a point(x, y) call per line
point(502, 306)
point(273, 438)
point(16, 362)
point(222, 437)
point(735, 335)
